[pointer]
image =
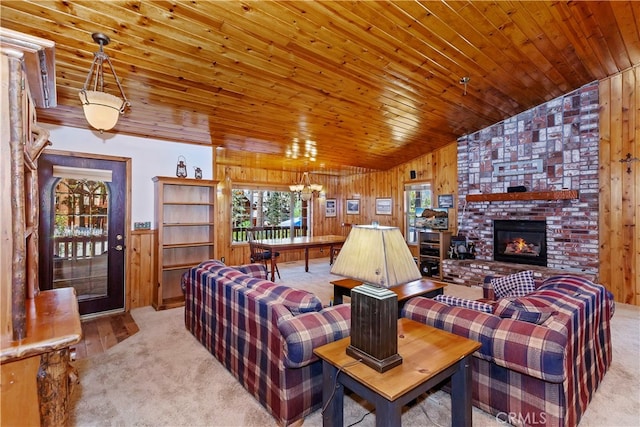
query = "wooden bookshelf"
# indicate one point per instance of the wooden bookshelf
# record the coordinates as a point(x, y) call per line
point(184, 220)
point(528, 195)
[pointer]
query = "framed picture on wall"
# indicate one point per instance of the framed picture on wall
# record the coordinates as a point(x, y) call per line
point(445, 201)
point(353, 206)
point(330, 208)
point(383, 206)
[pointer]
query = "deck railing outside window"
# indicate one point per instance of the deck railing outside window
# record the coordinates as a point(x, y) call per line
point(274, 232)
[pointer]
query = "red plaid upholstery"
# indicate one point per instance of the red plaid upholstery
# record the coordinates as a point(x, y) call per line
point(530, 374)
point(238, 317)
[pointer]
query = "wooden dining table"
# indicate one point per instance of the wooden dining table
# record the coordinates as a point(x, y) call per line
point(294, 243)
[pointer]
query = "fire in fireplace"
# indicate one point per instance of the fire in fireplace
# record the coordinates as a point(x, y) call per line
point(520, 241)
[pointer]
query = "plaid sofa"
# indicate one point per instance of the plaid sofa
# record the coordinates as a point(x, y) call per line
point(529, 373)
point(263, 333)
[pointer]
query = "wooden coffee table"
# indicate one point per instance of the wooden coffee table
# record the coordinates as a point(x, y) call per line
point(417, 288)
point(429, 355)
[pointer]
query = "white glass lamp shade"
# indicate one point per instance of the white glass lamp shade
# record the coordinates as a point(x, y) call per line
point(101, 109)
point(296, 187)
point(377, 256)
point(316, 187)
point(306, 194)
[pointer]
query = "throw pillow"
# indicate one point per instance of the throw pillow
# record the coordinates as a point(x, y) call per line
point(465, 303)
point(513, 285)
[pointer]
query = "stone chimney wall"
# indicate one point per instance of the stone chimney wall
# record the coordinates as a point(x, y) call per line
point(551, 147)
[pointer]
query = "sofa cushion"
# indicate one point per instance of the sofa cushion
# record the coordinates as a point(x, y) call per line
point(513, 285)
point(471, 324)
point(297, 301)
point(465, 303)
point(307, 331)
point(211, 264)
point(255, 270)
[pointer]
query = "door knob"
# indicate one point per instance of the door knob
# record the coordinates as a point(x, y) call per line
point(118, 247)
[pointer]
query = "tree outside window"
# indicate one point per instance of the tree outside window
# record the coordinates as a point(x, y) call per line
point(269, 213)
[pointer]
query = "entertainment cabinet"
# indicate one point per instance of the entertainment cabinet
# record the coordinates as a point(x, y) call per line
point(184, 220)
point(432, 248)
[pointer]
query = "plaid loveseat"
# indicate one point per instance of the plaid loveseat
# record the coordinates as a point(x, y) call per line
point(263, 333)
point(528, 372)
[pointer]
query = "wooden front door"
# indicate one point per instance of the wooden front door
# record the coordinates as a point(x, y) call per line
point(82, 229)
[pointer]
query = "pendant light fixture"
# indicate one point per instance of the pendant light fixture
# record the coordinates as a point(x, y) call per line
point(305, 187)
point(101, 109)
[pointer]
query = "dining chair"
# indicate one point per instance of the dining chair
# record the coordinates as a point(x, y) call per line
point(263, 255)
point(335, 250)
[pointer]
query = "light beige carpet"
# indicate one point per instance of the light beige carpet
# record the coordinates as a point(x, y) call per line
point(162, 376)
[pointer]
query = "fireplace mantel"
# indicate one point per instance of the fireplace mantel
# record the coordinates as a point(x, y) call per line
point(528, 195)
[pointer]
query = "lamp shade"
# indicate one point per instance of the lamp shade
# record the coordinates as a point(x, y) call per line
point(376, 255)
point(306, 194)
point(101, 109)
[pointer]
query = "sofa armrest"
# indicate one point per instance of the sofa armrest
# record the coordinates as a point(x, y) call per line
point(487, 289)
point(534, 350)
point(303, 333)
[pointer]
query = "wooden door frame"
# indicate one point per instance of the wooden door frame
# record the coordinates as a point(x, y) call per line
point(127, 215)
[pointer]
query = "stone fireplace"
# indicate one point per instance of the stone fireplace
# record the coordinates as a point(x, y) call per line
point(520, 242)
point(550, 148)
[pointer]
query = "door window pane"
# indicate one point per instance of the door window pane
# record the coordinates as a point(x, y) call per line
point(81, 209)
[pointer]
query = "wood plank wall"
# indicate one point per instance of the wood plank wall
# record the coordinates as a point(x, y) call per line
point(140, 271)
point(619, 197)
point(440, 167)
point(619, 189)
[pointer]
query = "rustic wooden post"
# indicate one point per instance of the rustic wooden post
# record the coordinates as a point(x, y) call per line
point(18, 279)
point(54, 387)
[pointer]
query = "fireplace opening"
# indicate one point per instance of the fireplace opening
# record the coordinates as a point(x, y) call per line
point(520, 242)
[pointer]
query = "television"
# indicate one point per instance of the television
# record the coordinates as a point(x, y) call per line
point(432, 218)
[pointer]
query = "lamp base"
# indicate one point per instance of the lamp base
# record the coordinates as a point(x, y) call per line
point(374, 327)
point(372, 362)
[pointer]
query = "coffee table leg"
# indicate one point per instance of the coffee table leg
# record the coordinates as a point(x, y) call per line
point(339, 293)
point(461, 394)
point(388, 414)
point(332, 397)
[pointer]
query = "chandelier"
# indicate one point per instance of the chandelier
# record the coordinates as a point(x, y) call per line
point(305, 187)
point(101, 109)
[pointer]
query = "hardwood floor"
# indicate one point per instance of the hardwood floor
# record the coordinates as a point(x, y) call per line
point(102, 333)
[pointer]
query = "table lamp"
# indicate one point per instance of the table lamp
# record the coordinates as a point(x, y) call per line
point(379, 257)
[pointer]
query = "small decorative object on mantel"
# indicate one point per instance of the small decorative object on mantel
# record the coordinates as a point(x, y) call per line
point(517, 189)
point(181, 168)
point(198, 173)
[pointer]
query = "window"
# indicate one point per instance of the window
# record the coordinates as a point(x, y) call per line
point(417, 199)
point(269, 213)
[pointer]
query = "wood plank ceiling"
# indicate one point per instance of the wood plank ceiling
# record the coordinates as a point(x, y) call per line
point(369, 84)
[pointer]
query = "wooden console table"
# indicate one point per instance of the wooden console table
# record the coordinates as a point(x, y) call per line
point(418, 288)
point(36, 384)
